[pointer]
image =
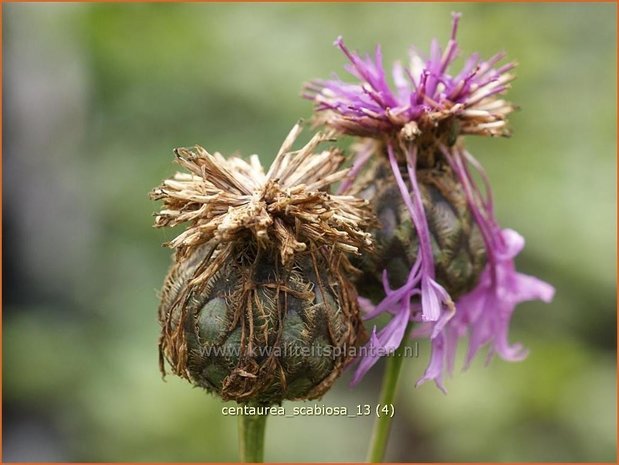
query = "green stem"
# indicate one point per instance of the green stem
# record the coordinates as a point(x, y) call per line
point(382, 425)
point(251, 437)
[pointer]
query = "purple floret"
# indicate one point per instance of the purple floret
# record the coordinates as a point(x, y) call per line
point(424, 92)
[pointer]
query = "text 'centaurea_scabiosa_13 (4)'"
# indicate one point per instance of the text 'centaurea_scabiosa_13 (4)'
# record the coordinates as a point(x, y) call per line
point(443, 260)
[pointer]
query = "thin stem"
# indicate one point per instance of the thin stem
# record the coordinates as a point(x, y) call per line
point(251, 438)
point(382, 425)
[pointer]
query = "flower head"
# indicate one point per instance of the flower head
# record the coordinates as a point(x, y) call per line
point(423, 94)
point(415, 126)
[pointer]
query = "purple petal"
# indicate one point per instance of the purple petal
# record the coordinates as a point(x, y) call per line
point(434, 371)
point(386, 341)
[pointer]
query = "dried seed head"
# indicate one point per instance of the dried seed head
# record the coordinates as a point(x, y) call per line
point(257, 305)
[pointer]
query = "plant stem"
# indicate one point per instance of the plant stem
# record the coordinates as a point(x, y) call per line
point(251, 437)
point(382, 425)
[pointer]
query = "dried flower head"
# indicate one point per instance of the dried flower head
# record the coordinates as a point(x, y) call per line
point(443, 260)
point(260, 272)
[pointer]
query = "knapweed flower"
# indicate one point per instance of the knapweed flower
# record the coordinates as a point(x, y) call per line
point(443, 261)
point(258, 291)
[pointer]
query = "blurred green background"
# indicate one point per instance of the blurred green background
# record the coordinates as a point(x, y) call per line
point(95, 98)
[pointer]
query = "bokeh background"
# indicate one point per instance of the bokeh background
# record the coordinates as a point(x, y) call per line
point(95, 98)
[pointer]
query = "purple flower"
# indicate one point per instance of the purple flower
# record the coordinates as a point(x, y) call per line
point(416, 122)
point(424, 93)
